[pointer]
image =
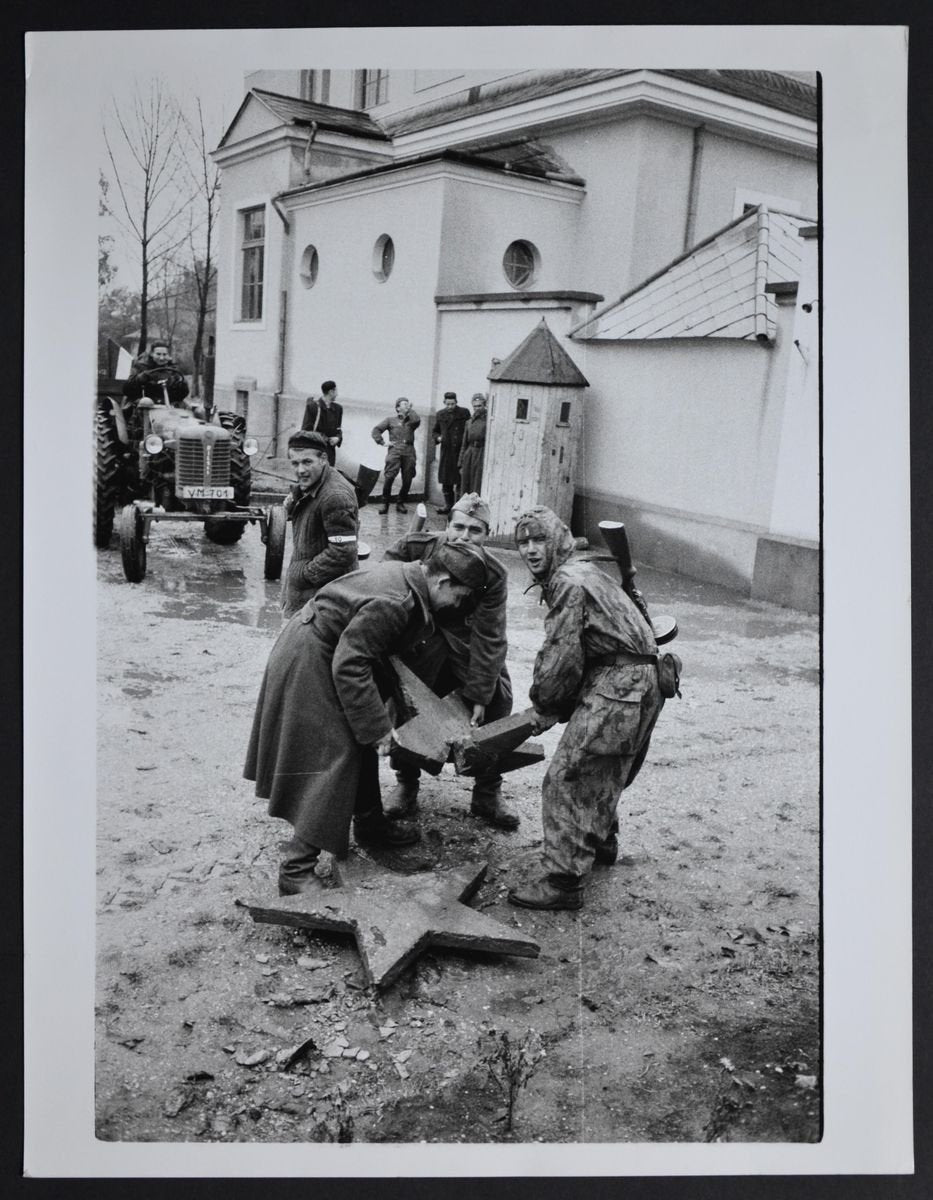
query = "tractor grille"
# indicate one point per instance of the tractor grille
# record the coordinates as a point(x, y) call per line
point(202, 462)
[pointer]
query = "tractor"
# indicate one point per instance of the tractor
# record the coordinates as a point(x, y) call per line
point(158, 461)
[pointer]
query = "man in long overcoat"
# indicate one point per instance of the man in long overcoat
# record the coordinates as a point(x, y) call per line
point(324, 516)
point(448, 435)
point(598, 671)
point(465, 653)
point(321, 716)
point(473, 447)
point(325, 416)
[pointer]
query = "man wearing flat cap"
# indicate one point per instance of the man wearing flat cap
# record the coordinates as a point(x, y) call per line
point(324, 516)
point(321, 719)
point(449, 425)
point(465, 652)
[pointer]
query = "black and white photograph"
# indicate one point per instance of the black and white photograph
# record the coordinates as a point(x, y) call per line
point(456, 708)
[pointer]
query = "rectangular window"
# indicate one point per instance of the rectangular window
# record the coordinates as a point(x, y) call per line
point(564, 418)
point(254, 240)
point(372, 87)
point(315, 86)
point(521, 409)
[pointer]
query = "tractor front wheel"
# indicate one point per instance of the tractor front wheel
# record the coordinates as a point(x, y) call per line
point(275, 541)
point(132, 546)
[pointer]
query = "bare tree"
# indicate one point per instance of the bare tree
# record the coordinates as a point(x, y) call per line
point(205, 178)
point(147, 171)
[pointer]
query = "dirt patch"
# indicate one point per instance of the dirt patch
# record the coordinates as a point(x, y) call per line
point(681, 1004)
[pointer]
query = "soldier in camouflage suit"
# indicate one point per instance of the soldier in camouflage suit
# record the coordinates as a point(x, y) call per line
point(597, 670)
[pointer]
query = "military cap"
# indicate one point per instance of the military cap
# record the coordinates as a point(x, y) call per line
point(464, 562)
point(308, 439)
point(450, 395)
point(473, 505)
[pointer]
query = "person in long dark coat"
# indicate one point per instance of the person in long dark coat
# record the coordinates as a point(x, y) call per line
point(321, 717)
point(473, 448)
point(448, 435)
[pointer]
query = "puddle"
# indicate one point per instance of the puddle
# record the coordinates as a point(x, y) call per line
point(231, 595)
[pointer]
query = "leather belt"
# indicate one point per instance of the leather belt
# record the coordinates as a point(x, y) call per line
point(622, 658)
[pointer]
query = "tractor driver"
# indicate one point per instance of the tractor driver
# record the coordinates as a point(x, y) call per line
point(157, 379)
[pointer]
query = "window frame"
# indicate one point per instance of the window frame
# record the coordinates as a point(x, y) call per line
point(532, 269)
point(252, 293)
point(384, 245)
point(372, 82)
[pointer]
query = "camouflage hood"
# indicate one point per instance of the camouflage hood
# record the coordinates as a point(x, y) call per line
point(559, 539)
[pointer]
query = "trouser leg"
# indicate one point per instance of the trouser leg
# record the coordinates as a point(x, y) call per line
point(579, 799)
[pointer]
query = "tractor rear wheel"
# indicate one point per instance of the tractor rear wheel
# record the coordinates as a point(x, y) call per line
point(225, 533)
point(106, 479)
point(132, 546)
point(275, 541)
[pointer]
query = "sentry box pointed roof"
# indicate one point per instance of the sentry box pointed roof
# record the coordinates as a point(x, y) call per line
point(539, 359)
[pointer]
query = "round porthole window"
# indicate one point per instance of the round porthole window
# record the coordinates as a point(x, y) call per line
point(307, 272)
point(520, 263)
point(383, 257)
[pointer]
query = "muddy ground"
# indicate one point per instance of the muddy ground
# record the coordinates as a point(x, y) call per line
point(680, 1005)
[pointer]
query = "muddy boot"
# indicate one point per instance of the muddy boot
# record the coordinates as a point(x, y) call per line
point(403, 799)
point(296, 870)
point(487, 804)
point(386, 497)
point(375, 829)
point(551, 892)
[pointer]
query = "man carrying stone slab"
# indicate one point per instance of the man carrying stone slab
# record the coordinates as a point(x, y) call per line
point(321, 717)
point(465, 653)
point(598, 672)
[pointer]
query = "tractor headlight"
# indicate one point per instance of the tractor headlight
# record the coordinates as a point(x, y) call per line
point(250, 446)
point(153, 443)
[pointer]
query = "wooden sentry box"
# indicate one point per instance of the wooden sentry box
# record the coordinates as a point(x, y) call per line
point(533, 432)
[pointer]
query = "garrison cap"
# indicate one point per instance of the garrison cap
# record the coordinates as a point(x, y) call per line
point(464, 562)
point(308, 439)
point(473, 505)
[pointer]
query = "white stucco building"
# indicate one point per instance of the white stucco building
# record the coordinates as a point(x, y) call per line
point(399, 230)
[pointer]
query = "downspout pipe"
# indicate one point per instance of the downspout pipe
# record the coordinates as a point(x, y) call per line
point(693, 193)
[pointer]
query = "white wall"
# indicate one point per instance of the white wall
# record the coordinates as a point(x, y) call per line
point(483, 216)
point(729, 164)
point(249, 348)
point(677, 424)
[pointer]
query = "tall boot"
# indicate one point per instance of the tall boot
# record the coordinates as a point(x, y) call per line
point(403, 799)
point(488, 804)
point(386, 497)
point(448, 502)
point(403, 496)
point(552, 892)
point(296, 870)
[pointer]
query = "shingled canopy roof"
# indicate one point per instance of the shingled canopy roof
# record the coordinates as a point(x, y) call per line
point(292, 111)
point(539, 359)
point(717, 289)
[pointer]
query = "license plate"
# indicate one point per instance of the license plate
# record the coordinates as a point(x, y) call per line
point(189, 492)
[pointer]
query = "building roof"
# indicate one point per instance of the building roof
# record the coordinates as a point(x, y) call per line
point(539, 359)
point(529, 163)
point(292, 111)
point(771, 88)
point(717, 289)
